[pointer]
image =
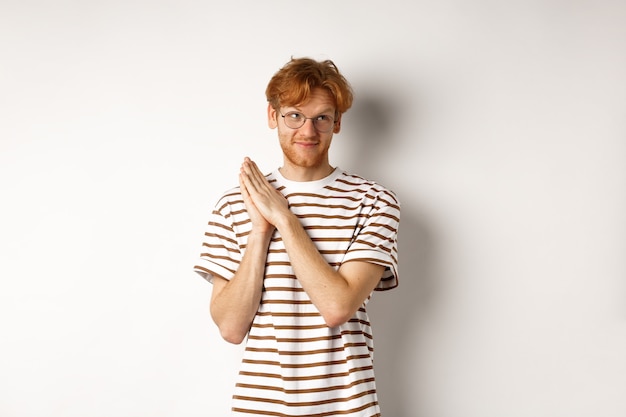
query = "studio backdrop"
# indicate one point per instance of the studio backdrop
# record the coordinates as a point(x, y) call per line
point(499, 125)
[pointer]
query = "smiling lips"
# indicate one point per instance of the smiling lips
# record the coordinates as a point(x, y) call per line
point(307, 144)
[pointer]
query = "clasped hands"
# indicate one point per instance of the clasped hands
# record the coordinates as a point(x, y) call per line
point(266, 206)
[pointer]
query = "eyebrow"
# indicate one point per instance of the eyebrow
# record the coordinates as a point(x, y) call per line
point(296, 109)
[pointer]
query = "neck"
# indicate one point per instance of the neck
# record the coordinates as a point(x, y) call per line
point(302, 174)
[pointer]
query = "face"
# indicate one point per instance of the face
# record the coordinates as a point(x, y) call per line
point(305, 148)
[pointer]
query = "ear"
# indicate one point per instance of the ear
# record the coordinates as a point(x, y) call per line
point(337, 127)
point(272, 122)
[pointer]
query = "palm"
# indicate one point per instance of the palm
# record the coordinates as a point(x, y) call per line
point(261, 198)
point(258, 221)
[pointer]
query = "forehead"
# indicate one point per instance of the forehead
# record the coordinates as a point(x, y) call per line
point(318, 101)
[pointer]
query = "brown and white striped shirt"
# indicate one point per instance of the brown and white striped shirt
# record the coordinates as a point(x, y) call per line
point(294, 365)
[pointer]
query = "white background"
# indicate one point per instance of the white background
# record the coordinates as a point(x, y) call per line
point(500, 125)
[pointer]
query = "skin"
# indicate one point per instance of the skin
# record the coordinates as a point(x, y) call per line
point(337, 294)
point(305, 150)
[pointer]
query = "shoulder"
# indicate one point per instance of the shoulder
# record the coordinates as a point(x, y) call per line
point(367, 188)
point(229, 201)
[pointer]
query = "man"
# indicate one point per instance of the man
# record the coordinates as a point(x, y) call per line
point(294, 257)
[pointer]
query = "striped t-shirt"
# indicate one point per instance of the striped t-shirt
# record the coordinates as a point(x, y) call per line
point(294, 364)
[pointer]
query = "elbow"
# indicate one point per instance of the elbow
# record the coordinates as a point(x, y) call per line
point(232, 335)
point(231, 331)
point(334, 322)
point(337, 316)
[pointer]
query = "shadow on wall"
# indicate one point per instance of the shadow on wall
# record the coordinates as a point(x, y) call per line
point(396, 315)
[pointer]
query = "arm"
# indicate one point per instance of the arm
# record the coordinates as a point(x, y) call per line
point(234, 302)
point(337, 294)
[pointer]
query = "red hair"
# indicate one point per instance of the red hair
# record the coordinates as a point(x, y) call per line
point(293, 83)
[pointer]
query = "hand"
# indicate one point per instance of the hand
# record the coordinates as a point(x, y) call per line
point(258, 221)
point(261, 199)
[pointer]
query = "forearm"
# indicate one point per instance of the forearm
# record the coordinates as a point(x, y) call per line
point(337, 294)
point(328, 289)
point(233, 307)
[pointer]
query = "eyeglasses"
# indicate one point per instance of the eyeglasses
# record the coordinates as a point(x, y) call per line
point(322, 123)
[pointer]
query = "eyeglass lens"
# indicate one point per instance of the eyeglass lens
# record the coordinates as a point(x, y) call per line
point(322, 123)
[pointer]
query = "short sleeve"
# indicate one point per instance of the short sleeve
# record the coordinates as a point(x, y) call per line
point(377, 240)
point(220, 253)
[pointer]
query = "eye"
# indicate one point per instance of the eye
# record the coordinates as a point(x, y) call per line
point(294, 116)
point(323, 118)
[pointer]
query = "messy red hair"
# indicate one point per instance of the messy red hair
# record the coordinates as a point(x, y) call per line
point(294, 82)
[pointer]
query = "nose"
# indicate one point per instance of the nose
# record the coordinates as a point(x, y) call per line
point(308, 128)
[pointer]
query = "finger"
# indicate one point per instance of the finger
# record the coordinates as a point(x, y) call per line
point(255, 176)
point(243, 188)
point(247, 167)
point(248, 182)
point(248, 187)
point(251, 167)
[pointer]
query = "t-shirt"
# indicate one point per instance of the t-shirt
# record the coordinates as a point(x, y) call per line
point(293, 363)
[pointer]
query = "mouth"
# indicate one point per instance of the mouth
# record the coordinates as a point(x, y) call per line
point(307, 145)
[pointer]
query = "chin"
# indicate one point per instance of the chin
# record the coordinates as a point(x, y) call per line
point(307, 163)
point(304, 162)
